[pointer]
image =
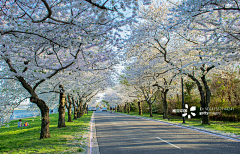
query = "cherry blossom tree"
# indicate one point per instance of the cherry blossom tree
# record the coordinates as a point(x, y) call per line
point(160, 35)
point(137, 81)
point(40, 39)
point(218, 19)
point(9, 100)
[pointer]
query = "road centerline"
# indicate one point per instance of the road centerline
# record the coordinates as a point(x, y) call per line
point(168, 143)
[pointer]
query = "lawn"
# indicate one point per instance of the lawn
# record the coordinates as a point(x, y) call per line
point(22, 140)
point(223, 127)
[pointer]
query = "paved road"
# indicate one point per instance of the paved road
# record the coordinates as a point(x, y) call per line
point(120, 134)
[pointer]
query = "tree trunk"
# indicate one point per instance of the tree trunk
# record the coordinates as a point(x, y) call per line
point(205, 98)
point(83, 110)
point(205, 118)
point(45, 133)
point(69, 107)
point(75, 109)
point(61, 110)
point(128, 108)
point(139, 108)
point(118, 108)
point(80, 109)
point(125, 108)
point(165, 105)
point(150, 108)
point(70, 114)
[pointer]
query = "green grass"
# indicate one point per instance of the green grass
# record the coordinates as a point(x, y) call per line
point(27, 139)
point(224, 127)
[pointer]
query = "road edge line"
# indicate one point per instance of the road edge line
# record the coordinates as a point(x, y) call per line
point(94, 149)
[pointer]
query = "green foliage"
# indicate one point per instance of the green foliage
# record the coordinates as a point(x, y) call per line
point(105, 103)
point(133, 107)
point(80, 150)
point(145, 107)
point(26, 139)
point(225, 90)
point(128, 68)
point(189, 86)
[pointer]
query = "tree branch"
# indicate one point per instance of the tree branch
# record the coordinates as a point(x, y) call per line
point(99, 6)
point(31, 33)
point(56, 71)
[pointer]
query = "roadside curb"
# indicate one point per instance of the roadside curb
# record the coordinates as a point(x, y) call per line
point(93, 147)
point(188, 127)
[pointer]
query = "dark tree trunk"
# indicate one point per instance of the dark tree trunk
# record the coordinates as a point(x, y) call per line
point(205, 97)
point(125, 108)
point(139, 108)
point(61, 110)
point(118, 108)
point(45, 133)
point(70, 114)
point(69, 107)
point(75, 109)
point(205, 118)
point(150, 108)
point(165, 105)
point(80, 109)
point(128, 108)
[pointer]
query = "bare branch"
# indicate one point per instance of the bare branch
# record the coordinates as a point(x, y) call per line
point(56, 71)
point(57, 56)
point(31, 33)
point(99, 6)
point(49, 92)
point(187, 39)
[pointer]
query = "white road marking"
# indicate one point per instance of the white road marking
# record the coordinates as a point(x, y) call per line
point(168, 143)
point(191, 128)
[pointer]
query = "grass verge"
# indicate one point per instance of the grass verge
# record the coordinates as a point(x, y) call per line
point(223, 127)
point(23, 140)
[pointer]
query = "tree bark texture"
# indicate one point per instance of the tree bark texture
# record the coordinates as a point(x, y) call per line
point(205, 94)
point(74, 109)
point(165, 105)
point(205, 118)
point(80, 109)
point(128, 107)
point(150, 108)
point(45, 133)
point(118, 108)
point(69, 107)
point(84, 107)
point(139, 108)
point(61, 110)
point(125, 108)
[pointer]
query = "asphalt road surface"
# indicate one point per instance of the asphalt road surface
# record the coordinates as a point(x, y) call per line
point(120, 134)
